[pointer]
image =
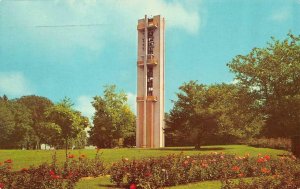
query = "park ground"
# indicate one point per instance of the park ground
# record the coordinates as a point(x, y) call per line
point(25, 158)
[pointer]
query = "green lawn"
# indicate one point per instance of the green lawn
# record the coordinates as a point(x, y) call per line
point(25, 158)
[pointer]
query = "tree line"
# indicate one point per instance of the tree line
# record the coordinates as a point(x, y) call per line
point(264, 100)
point(29, 121)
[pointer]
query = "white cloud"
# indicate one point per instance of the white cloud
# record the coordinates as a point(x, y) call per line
point(83, 104)
point(111, 19)
point(132, 101)
point(14, 84)
point(281, 15)
point(178, 14)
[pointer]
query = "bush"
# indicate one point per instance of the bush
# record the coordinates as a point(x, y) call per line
point(74, 168)
point(50, 176)
point(179, 169)
point(44, 176)
point(275, 143)
point(272, 182)
point(289, 178)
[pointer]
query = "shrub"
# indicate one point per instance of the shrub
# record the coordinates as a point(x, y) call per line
point(179, 169)
point(50, 176)
point(288, 178)
point(275, 143)
point(74, 168)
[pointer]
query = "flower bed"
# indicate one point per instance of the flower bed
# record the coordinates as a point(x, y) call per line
point(179, 169)
point(48, 176)
point(289, 180)
point(159, 172)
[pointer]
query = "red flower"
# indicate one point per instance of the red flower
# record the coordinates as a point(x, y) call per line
point(71, 156)
point(148, 174)
point(55, 176)
point(70, 175)
point(0, 163)
point(132, 186)
point(185, 163)
point(267, 157)
point(52, 172)
point(265, 170)
point(241, 175)
point(235, 168)
point(261, 160)
point(1, 185)
point(8, 161)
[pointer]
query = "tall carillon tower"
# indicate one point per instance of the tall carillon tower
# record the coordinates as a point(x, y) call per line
point(150, 82)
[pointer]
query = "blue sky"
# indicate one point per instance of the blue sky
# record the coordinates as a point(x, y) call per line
point(202, 36)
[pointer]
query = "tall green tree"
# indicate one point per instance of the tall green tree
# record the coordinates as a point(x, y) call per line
point(272, 74)
point(71, 122)
point(236, 112)
point(37, 106)
point(208, 114)
point(15, 121)
point(113, 120)
point(190, 118)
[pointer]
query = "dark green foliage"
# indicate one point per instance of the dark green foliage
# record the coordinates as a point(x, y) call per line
point(265, 100)
point(38, 106)
point(210, 114)
point(272, 75)
point(70, 122)
point(30, 121)
point(15, 124)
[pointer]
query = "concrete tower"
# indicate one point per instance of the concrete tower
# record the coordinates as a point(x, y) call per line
point(150, 82)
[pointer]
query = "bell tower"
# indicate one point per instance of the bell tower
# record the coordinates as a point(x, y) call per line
point(150, 82)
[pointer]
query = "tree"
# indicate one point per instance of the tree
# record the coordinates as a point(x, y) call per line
point(38, 106)
point(4, 98)
point(15, 124)
point(236, 112)
point(81, 140)
point(208, 114)
point(190, 115)
point(50, 133)
point(272, 75)
point(113, 119)
point(71, 122)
